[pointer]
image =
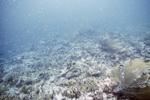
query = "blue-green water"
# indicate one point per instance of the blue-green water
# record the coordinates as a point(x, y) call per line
point(25, 22)
point(49, 48)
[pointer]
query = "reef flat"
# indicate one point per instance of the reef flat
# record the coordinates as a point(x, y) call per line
point(74, 67)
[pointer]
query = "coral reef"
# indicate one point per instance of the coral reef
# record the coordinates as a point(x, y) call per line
point(11, 78)
point(26, 89)
point(2, 89)
point(147, 38)
point(89, 85)
point(132, 78)
point(78, 67)
point(72, 92)
point(9, 97)
point(75, 89)
point(147, 56)
point(111, 46)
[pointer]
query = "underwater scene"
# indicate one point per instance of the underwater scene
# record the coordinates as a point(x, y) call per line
point(74, 49)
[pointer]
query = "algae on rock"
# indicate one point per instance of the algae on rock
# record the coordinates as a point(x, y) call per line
point(75, 89)
point(3, 89)
point(72, 92)
point(132, 79)
point(26, 89)
point(89, 85)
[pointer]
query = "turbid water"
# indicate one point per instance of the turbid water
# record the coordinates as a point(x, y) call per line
point(66, 50)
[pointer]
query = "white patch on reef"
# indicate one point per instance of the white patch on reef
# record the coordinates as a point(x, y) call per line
point(58, 96)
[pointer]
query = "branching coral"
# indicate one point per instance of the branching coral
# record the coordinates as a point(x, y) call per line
point(133, 79)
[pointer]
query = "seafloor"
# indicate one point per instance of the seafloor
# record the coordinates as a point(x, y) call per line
point(73, 67)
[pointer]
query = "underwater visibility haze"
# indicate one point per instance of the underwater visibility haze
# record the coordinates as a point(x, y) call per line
point(74, 49)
